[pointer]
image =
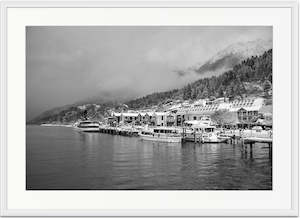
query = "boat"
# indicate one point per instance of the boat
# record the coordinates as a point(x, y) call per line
point(88, 126)
point(161, 134)
point(204, 133)
point(55, 125)
point(224, 136)
point(213, 137)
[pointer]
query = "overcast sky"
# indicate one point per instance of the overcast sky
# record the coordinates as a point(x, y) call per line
point(70, 64)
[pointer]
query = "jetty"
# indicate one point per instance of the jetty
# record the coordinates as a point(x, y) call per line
point(119, 131)
point(248, 143)
point(246, 139)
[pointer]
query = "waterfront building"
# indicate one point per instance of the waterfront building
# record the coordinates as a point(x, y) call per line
point(152, 119)
point(245, 109)
point(143, 118)
point(194, 113)
point(129, 117)
point(171, 119)
point(139, 118)
point(160, 118)
point(247, 116)
point(250, 104)
point(126, 118)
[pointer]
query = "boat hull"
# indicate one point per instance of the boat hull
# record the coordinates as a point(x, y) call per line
point(92, 129)
point(210, 138)
point(214, 140)
point(162, 138)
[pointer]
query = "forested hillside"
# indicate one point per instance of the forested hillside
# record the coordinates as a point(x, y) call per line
point(251, 76)
point(72, 113)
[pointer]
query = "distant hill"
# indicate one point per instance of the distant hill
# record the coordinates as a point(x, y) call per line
point(232, 55)
point(78, 111)
point(251, 76)
point(246, 78)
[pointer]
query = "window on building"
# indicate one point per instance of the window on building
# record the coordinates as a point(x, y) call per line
point(195, 118)
point(162, 117)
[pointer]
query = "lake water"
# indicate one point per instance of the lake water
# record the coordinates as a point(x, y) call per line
point(61, 158)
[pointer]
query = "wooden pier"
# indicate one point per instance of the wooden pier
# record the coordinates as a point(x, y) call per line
point(118, 131)
point(247, 144)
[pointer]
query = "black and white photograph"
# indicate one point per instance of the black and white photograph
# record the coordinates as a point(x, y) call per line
point(149, 108)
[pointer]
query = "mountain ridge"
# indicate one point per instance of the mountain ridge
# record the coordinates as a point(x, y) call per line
point(246, 78)
point(227, 58)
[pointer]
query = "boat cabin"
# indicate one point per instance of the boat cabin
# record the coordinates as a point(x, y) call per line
point(88, 124)
point(164, 130)
point(204, 128)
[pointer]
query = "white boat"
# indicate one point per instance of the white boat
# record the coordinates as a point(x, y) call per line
point(224, 136)
point(204, 133)
point(88, 126)
point(212, 137)
point(161, 134)
point(55, 125)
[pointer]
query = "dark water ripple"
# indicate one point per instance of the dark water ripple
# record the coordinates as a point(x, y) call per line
point(62, 158)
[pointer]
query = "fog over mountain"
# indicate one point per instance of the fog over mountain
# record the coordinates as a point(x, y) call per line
point(232, 55)
point(86, 64)
point(227, 58)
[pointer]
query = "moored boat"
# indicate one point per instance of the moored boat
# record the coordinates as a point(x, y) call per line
point(88, 126)
point(212, 137)
point(161, 134)
point(204, 133)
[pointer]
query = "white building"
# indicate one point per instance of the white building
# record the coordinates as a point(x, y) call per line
point(178, 115)
point(252, 105)
point(160, 118)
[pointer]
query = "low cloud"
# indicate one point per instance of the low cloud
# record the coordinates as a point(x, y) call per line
point(68, 64)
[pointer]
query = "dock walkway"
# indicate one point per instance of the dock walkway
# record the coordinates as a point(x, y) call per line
point(118, 131)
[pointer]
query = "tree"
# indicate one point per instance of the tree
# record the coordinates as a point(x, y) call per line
point(194, 93)
point(267, 87)
point(252, 71)
point(205, 93)
point(187, 92)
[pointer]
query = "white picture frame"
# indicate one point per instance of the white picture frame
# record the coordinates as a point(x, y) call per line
point(8, 207)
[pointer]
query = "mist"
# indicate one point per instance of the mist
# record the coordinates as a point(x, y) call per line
point(70, 64)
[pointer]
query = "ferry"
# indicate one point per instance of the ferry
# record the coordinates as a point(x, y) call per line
point(88, 126)
point(161, 134)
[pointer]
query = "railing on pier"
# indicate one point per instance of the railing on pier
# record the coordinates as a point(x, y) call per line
point(118, 131)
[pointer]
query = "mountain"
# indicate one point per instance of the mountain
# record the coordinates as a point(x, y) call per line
point(78, 111)
point(233, 55)
point(252, 76)
point(117, 95)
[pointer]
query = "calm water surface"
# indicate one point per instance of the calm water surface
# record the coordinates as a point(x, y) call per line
point(63, 158)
